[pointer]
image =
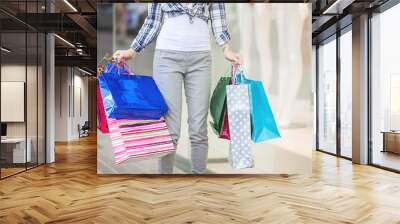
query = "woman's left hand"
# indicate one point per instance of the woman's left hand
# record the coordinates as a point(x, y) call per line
point(231, 56)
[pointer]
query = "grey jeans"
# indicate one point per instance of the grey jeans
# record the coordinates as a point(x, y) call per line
point(171, 70)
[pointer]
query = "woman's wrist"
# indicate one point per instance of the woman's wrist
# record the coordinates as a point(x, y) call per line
point(122, 55)
point(132, 52)
point(225, 47)
point(231, 56)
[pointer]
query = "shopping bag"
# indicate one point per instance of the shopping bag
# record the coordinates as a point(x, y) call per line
point(101, 114)
point(238, 106)
point(225, 133)
point(217, 104)
point(130, 96)
point(139, 139)
point(263, 125)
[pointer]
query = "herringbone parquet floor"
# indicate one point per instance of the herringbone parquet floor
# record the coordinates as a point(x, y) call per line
point(70, 191)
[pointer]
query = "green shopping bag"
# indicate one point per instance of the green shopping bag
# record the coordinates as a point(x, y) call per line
point(217, 103)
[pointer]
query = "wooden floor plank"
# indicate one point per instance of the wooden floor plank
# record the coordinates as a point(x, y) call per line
point(70, 191)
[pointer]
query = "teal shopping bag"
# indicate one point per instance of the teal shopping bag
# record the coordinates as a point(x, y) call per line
point(263, 125)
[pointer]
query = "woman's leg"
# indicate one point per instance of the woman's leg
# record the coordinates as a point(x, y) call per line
point(197, 90)
point(168, 68)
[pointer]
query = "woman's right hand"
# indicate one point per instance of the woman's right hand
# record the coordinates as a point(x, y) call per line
point(123, 55)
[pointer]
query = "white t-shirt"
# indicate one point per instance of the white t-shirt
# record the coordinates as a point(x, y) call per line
point(181, 34)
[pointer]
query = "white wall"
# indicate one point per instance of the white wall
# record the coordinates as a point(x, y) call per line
point(80, 84)
point(61, 103)
point(70, 83)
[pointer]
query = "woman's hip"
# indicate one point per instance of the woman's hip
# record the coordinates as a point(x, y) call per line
point(181, 62)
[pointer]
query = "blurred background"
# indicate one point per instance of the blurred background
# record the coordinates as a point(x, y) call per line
point(275, 42)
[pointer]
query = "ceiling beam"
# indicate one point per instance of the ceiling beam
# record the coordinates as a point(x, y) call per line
point(85, 25)
point(320, 22)
point(79, 61)
point(337, 6)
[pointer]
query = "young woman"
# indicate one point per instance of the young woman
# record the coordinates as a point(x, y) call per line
point(182, 56)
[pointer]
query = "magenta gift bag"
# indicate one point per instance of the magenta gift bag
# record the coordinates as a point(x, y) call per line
point(101, 114)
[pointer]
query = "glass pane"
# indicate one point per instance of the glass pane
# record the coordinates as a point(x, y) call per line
point(13, 87)
point(327, 97)
point(41, 99)
point(32, 86)
point(346, 93)
point(23, 82)
point(386, 89)
point(31, 100)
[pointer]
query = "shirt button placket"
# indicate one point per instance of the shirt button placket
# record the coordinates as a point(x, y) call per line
point(191, 15)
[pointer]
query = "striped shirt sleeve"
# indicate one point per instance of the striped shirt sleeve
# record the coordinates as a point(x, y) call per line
point(150, 28)
point(218, 23)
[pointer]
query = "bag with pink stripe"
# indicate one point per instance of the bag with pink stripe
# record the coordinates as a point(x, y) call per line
point(139, 139)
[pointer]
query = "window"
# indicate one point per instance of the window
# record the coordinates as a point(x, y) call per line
point(385, 89)
point(346, 93)
point(327, 97)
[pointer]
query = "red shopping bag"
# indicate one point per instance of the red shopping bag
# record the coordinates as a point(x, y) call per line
point(101, 114)
point(225, 134)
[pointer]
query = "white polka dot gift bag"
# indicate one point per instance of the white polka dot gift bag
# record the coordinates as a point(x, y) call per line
point(238, 105)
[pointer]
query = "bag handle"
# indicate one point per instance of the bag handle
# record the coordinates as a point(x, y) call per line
point(239, 73)
point(121, 66)
point(101, 65)
point(235, 69)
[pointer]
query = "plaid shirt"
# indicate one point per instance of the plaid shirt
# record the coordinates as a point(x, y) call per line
point(215, 12)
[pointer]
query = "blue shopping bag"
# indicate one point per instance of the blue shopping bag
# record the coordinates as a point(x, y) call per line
point(130, 96)
point(263, 125)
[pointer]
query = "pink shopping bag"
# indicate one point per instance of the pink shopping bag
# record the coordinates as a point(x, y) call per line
point(139, 139)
